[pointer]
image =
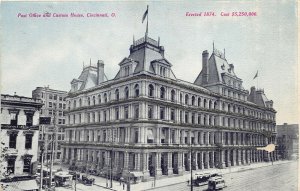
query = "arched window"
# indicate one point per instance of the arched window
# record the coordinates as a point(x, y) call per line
point(173, 96)
point(80, 102)
point(117, 94)
point(210, 104)
point(162, 93)
point(74, 104)
point(223, 106)
point(89, 101)
point(164, 72)
point(151, 91)
point(181, 98)
point(186, 101)
point(136, 90)
point(161, 71)
point(94, 100)
point(99, 98)
point(234, 109)
point(199, 102)
point(193, 100)
point(204, 103)
point(105, 98)
point(69, 105)
point(229, 108)
point(215, 105)
point(126, 92)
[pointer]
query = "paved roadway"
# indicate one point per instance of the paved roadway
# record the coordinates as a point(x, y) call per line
point(271, 178)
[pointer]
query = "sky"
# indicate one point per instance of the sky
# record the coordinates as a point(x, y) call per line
point(37, 52)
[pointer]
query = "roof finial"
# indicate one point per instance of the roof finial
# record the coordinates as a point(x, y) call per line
point(224, 52)
point(90, 61)
point(133, 40)
point(83, 65)
point(213, 47)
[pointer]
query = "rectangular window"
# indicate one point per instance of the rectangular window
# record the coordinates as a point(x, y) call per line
point(50, 104)
point(12, 140)
point(13, 119)
point(55, 97)
point(150, 112)
point(50, 96)
point(60, 106)
point(126, 112)
point(60, 98)
point(27, 164)
point(117, 113)
point(11, 166)
point(162, 113)
point(29, 119)
point(64, 106)
point(172, 115)
point(28, 141)
point(136, 112)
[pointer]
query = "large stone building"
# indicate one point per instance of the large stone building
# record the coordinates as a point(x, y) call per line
point(54, 107)
point(19, 141)
point(288, 141)
point(146, 121)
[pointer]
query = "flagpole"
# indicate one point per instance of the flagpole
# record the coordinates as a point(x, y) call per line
point(147, 21)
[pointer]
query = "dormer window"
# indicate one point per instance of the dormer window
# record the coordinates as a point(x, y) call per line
point(162, 93)
point(151, 91)
point(117, 94)
point(126, 68)
point(126, 91)
point(136, 90)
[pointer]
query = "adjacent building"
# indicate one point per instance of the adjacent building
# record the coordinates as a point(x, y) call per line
point(147, 122)
point(19, 140)
point(288, 141)
point(54, 107)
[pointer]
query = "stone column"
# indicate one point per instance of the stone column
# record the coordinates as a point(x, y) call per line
point(180, 169)
point(126, 160)
point(170, 169)
point(158, 164)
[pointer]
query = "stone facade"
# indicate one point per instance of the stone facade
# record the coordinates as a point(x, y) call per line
point(147, 122)
point(19, 135)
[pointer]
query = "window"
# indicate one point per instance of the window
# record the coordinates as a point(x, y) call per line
point(13, 118)
point(50, 96)
point(117, 94)
point(136, 136)
point(136, 112)
point(151, 91)
point(126, 70)
point(162, 93)
point(193, 118)
point(172, 115)
point(74, 104)
point(126, 91)
point(60, 98)
point(117, 113)
point(94, 100)
point(13, 140)
point(64, 106)
point(180, 98)
point(150, 112)
point(186, 99)
point(193, 100)
point(55, 97)
point(105, 98)
point(99, 98)
point(173, 96)
point(136, 90)
point(199, 102)
point(50, 104)
point(126, 112)
point(27, 164)
point(180, 116)
point(29, 119)
point(162, 113)
point(186, 117)
point(11, 165)
point(60, 106)
point(89, 101)
point(105, 117)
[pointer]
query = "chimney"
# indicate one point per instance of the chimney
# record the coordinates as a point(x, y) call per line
point(162, 51)
point(205, 67)
point(100, 72)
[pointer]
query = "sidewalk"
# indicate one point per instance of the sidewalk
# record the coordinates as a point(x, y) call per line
point(101, 182)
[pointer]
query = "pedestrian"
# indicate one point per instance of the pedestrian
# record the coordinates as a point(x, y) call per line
point(123, 186)
point(188, 182)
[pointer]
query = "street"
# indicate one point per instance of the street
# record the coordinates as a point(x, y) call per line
point(271, 178)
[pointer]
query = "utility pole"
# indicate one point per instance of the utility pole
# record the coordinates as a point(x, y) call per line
point(191, 168)
point(42, 159)
point(52, 144)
